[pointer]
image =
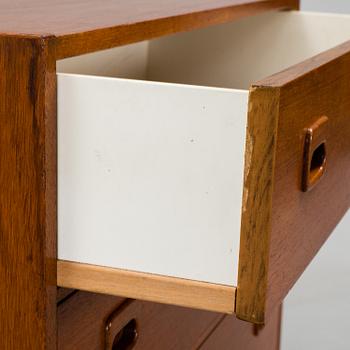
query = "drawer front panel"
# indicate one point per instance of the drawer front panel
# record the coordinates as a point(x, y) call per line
point(294, 222)
point(95, 322)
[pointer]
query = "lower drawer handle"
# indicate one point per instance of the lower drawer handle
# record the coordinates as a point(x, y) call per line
point(125, 338)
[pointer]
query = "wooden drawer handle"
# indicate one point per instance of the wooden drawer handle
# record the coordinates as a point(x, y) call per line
point(121, 329)
point(125, 339)
point(315, 153)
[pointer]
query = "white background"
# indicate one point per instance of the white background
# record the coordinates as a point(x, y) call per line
point(338, 6)
point(316, 311)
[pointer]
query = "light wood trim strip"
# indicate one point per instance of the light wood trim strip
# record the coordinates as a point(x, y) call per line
point(144, 286)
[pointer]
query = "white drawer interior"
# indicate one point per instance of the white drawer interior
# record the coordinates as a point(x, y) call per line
point(232, 55)
point(150, 174)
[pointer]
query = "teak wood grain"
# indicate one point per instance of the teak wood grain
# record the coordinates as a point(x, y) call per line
point(275, 249)
point(257, 198)
point(86, 320)
point(161, 327)
point(146, 286)
point(63, 294)
point(82, 320)
point(83, 26)
point(232, 333)
point(28, 194)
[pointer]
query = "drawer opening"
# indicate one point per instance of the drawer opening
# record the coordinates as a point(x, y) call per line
point(232, 55)
point(151, 146)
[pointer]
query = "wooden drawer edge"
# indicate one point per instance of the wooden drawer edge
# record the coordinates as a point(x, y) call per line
point(149, 26)
point(144, 286)
point(257, 203)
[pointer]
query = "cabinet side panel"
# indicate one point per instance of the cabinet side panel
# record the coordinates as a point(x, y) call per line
point(27, 196)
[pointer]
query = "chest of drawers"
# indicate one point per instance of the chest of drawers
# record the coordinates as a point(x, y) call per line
point(187, 154)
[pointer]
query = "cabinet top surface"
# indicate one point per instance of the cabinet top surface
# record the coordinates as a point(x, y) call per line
point(68, 17)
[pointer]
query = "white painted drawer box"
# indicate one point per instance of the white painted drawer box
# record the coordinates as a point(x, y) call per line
point(151, 146)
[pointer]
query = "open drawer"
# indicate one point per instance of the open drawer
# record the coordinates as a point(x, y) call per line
point(176, 184)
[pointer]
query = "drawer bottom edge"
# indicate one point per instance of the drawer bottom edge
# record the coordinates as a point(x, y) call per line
point(146, 286)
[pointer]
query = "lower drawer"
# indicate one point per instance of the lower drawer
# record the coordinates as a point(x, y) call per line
point(82, 320)
point(233, 334)
point(96, 322)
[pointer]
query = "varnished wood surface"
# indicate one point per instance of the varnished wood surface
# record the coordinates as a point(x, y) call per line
point(233, 334)
point(87, 25)
point(28, 194)
point(145, 286)
point(300, 221)
point(85, 319)
point(63, 294)
point(60, 18)
point(81, 320)
point(257, 202)
point(163, 326)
